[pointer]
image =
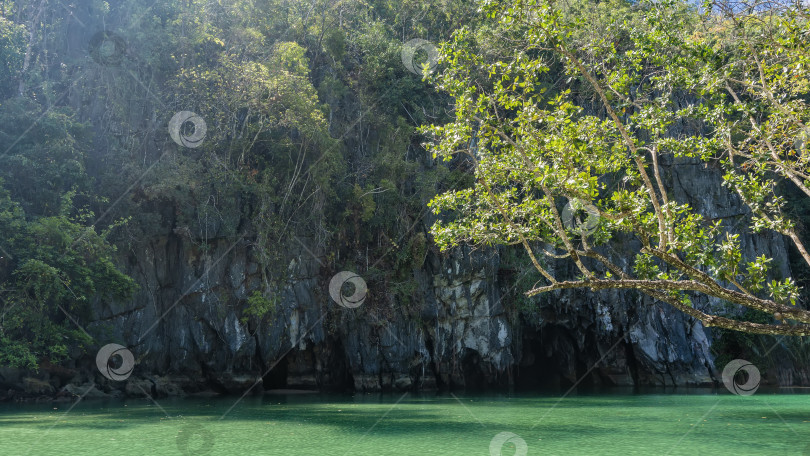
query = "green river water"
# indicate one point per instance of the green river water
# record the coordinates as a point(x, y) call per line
point(701, 422)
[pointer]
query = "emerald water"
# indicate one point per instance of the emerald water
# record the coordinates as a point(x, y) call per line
point(697, 423)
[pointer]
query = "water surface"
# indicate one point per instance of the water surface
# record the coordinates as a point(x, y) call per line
point(696, 423)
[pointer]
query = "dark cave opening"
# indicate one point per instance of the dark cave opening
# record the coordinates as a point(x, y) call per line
point(276, 378)
point(317, 367)
point(536, 370)
point(336, 375)
point(550, 361)
point(474, 378)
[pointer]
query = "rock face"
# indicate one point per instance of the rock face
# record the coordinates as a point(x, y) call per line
point(461, 330)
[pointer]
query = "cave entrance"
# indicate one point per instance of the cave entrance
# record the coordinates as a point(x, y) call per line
point(551, 361)
point(337, 374)
point(318, 367)
point(536, 370)
point(276, 378)
point(474, 379)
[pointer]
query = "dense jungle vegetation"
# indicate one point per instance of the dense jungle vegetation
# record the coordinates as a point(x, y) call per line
point(315, 129)
point(290, 92)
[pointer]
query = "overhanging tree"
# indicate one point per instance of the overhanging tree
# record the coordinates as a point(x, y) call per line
point(537, 140)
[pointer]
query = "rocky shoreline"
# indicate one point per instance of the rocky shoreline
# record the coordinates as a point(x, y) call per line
point(50, 384)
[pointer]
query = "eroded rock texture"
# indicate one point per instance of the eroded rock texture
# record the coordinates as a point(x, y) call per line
point(461, 328)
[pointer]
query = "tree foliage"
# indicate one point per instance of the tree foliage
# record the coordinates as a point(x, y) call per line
point(560, 103)
point(51, 270)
